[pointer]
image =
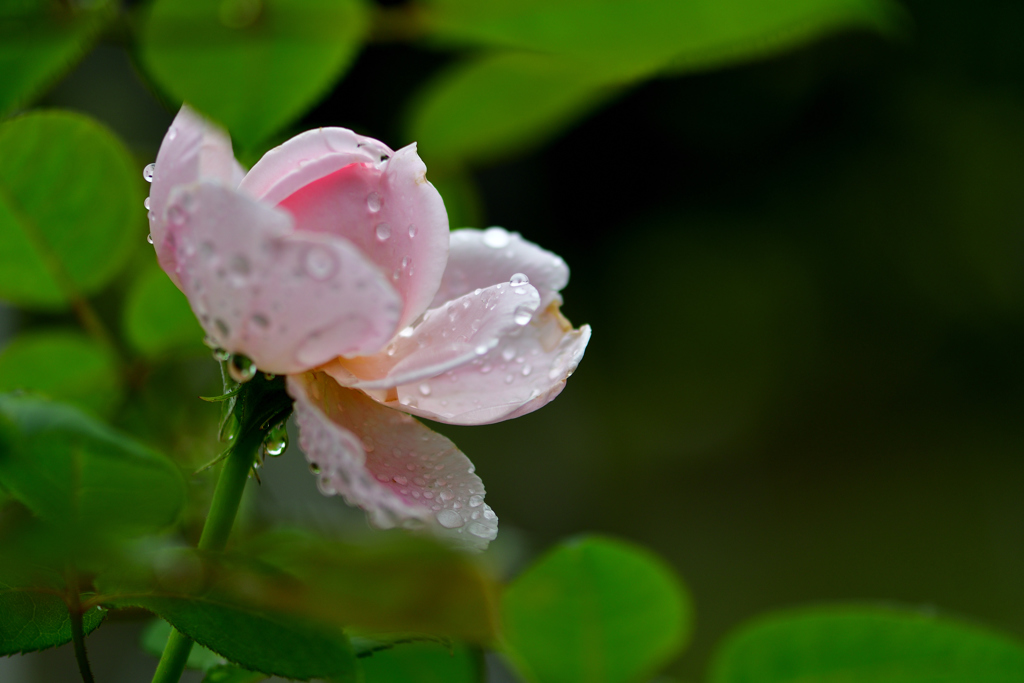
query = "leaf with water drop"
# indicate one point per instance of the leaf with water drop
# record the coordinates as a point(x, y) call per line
point(865, 644)
point(33, 618)
point(42, 39)
point(69, 207)
point(65, 365)
point(157, 320)
point(253, 65)
point(595, 610)
point(74, 471)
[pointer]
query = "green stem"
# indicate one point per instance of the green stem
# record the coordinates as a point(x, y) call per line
point(216, 530)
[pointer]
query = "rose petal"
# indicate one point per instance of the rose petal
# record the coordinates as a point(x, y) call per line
point(391, 213)
point(289, 301)
point(447, 338)
point(307, 157)
point(480, 258)
point(526, 370)
point(193, 149)
point(398, 470)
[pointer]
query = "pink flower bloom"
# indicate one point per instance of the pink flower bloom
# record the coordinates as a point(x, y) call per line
point(331, 262)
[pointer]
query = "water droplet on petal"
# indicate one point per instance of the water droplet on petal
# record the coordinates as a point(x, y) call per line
point(450, 519)
point(320, 262)
point(527, 370)
point(481, 531)
point(476, 501)
point(509, 379)
point(383, 231)
point(172, 133)
point(522, 315)
point(277, 440)
point(508, 353)
point(496, 238)
point(149, 238)
point(405, 262)
point(412, 230)
point(374, 201)
point(149, 172)
point(425, 389)
point(314, 468)
point(406, 332)
point(241, 368)
point(481, 349)
point(145, 203)
point(220, 355)
point(519, 279)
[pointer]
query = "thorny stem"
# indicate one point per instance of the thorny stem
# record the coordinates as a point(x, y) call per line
point(77, 630)
point(216, 530)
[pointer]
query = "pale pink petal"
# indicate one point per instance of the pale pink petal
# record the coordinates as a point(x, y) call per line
point(526, 370)
point(398, 470)
point(448, 337)
point(193, 149)
point(290, 301)
point(480, 258)
point(391, 213)
point(307, 157)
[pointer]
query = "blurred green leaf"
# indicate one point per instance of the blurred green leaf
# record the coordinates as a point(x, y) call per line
point(42, 39)
point(35, 619)
point(596, 610)
point(65, 365)
point(71, 470)
point(642, 38)
point(403, 585)
point(424, 663)
point(474, 111)
point(69, 206)
point(157, 318)
point(154, 639)
point(253, 65)
point(254, 638)
point(860, 644)
point(232, 674)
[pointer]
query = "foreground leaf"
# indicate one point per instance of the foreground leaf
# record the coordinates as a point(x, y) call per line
point(472, 112)
point(34, 619)
point(253, 65)
point(42, 39)
point(73, 471)
point(862, 644)
point(646, 37)
point(69, 208)
point(595, 610)
point(65, 365)
point(154, 640)
point(232, 674)
point(158, 320)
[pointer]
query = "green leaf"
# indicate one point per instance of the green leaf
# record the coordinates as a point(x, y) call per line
point(232, 674)
point(254, 638)
point(473, 111)
point(65, 365)
point(157, 318)
point(862, 644)
point(71, 470)
point(595, 610)
point(154, 639)
point(69, 208)
point(646, 37)
point(253, 65)
point(424, 663)
point(42, 39)
point(35, 619)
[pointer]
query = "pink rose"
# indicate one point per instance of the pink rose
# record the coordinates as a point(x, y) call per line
point(331, 262)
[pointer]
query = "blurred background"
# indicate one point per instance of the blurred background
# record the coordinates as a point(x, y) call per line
point(804, 275)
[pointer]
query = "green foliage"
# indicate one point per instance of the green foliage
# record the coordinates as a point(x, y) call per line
point(154, 638)
point(157, 319)
point(860, 644)
point(261, 640)
point(35, 619)
point(253, 65)
point(474, 111)
point(40, 40)
point(64, 365)
point(69, 202)
point(75, 472)
point(424, 663)
point(232, 674)
point(595, 610)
